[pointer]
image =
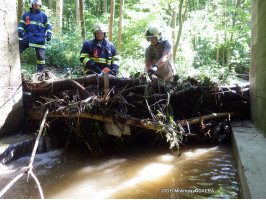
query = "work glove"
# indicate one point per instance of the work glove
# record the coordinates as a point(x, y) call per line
point(153, 69)
point(96, 69)
point(20, 34)
point(114, 71)
point(48, 38)
point(106, 70)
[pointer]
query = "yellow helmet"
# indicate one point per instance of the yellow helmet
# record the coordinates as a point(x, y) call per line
point(99, 27)
point(153, 31)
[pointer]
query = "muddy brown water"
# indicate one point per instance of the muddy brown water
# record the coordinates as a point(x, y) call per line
point(199, 172)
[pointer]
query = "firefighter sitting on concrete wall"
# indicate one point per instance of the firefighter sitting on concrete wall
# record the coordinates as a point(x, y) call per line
point(158, 55)
point(99, 55)
point(33, 28)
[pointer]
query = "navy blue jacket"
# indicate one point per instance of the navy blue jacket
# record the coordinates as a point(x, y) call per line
point(102, 54)
point(35, 27)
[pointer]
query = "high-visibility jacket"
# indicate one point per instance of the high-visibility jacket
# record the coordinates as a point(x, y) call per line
point(35, 27)
point(102, 54)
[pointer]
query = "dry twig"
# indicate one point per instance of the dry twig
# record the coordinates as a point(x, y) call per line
point(30, 166)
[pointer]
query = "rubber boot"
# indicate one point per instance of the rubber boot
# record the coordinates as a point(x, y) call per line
point(40, 68)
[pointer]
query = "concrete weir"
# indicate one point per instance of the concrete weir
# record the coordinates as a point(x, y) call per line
point(249, 149)
point(16, 146)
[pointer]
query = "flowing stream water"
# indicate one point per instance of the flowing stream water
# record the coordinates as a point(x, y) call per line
point(206, 171)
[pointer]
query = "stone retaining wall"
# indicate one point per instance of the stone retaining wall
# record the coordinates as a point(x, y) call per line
point(11, 107)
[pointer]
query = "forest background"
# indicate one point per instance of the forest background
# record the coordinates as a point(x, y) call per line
point(211, 38)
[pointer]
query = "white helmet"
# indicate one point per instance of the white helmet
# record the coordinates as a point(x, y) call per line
point(32, 2)
point(99, 27)
point(153, 31)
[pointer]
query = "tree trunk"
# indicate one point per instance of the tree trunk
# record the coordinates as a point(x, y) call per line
point(179, 31)
point(77, 13)
point(21, 6)
point(120, 25)
point(232, 34)
point(105, 6)
point(82, 18)
point(59, 16)
point(11, 105)
point(173, 25)
point(225, 35)
point(217, 36)
point(50, 4)
point(112, 14)
point(217, 49)
point(185, 13)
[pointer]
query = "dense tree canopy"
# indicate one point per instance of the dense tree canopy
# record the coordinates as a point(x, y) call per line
point(215, 35)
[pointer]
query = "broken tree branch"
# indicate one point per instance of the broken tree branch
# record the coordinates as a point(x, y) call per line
point(9, 185)
point(85, 93)
point(30, 166)
point(37, 141)
point(134, 121)
point(37, 183)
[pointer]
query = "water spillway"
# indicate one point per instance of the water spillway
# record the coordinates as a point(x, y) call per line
point(20, 145)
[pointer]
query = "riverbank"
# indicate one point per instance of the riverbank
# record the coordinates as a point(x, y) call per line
point(249, 149)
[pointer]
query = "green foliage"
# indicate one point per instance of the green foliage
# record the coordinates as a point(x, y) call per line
point(64, 52)
point(205, 21)
point(28, 70)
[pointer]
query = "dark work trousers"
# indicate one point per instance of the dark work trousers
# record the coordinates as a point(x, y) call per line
point(40, 53)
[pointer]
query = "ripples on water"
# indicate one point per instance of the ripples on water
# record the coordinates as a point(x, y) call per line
point(207, 172)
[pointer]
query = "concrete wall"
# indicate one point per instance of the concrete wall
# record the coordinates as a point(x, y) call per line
point(11, 107)
point(258, 64)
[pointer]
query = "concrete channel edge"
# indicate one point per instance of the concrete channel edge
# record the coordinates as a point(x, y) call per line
point(249, 146)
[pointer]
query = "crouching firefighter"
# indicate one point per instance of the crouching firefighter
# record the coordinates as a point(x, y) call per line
point(99, 55)
point(33, 28)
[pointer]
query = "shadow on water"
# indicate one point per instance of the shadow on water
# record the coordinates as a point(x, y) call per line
point(201, 171)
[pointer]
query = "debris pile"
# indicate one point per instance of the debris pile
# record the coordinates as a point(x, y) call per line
point(179, 109)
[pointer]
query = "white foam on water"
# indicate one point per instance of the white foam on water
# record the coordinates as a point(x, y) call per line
point(102, 166)
point(166, 158)
point(49, 159)
point(4, 169)
point(198, 152)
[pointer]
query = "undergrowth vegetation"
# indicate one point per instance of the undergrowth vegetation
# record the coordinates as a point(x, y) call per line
point(203, 26)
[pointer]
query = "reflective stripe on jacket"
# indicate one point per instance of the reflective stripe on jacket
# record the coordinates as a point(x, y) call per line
point(35, 27)
point(103, 54)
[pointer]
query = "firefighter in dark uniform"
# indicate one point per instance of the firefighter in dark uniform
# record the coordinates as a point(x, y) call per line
point(99, 55)
point(33, 28)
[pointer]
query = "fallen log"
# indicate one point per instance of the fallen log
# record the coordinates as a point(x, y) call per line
point(146, 124)
point(65, 84)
